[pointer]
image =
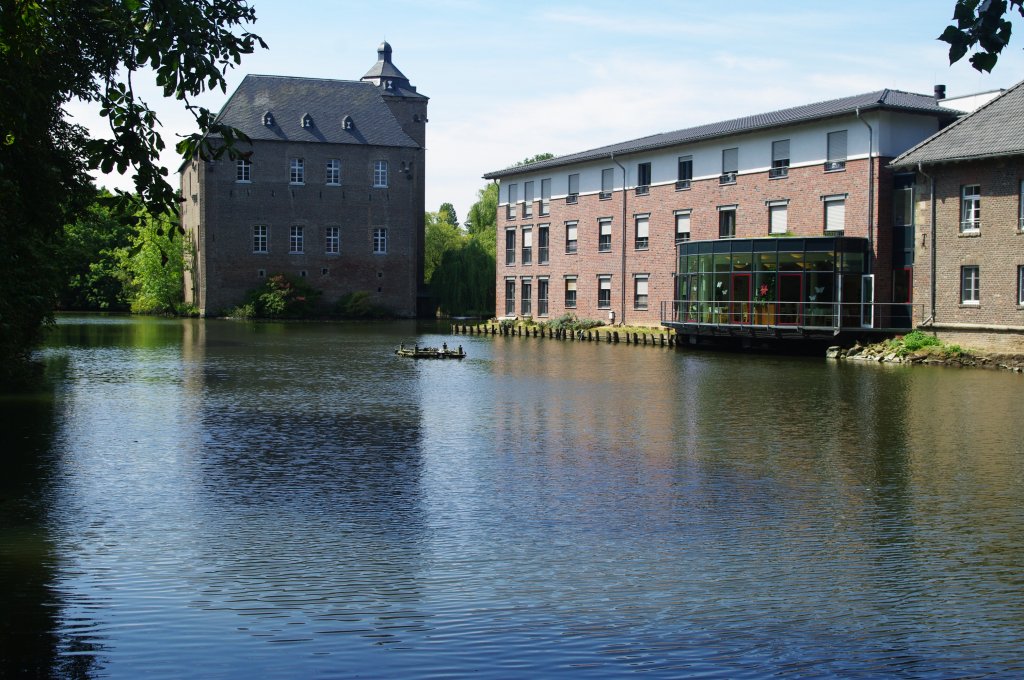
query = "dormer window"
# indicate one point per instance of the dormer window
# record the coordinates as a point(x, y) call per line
point(268, 119)
point(307, 121)
point(346, 123)
point(388, 84)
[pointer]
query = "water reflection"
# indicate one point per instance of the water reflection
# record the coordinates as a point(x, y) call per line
point(283, 499)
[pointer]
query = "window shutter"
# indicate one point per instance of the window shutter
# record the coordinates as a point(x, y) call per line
point(641, 286)
point(683, 223)
point(574, 184)
point(528, 192)
point(835, 215)
point(730, 159)
point(779, 216)
point(527, 238)
point(642, 227)
point(837, 146)
point(513, 193)
point(570, 231)
point(780, 150)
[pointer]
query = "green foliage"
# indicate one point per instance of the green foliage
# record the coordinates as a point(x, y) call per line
point(153, 267)
point(483, 215)
point(982, 24)
point(56, 51)
point(280, 297)
point(570, 322)
point(463, 283)
point(534, 159)
point(915, 340)
point(442, 235)
point(88, 254)
point(446, 213)
point(359, 305)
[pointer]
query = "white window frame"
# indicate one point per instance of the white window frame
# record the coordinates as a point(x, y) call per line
point(510, 246)
point(571, 286)
point(641, 291)
point(683, 218)
point(526, 296)
point(970, 285)
point(527, 199)
point(775, 210)
point(837, 202)
point(835, 153)
point(333, 172)
point(604, 285)
point(243, 171)
point(332, 240)
point(780, 159)
point(572, 237)
point(604, 234)
point(261, 239)
point(527, 245)
point(297, 171)
point(1021, 206)
point(607, 183)
point(296, 240)
point(510, 297)
point(970, 209)
point(722, 211)
point(642, 232)
point(380, 240)
point(1020, 284)
point(380, 174)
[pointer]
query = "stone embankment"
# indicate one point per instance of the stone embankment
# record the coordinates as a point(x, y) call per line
point(604, 334)
point(882, 353)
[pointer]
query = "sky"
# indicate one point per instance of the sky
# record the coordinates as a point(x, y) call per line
point(507, 81)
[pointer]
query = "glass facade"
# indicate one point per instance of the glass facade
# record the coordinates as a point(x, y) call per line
point(775, 281)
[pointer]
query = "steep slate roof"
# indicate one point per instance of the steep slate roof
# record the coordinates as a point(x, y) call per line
point(893, 100)
point(995, 129)
point(326, 101)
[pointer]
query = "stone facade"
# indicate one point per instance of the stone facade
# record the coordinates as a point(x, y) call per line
point(969, 234)
point(341, 236)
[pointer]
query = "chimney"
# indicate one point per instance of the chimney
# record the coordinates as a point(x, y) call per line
point(940, 92)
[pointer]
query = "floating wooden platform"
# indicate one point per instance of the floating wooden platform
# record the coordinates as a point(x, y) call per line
point(431, 352)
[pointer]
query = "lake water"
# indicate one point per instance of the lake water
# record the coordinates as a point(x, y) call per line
point(233, 500)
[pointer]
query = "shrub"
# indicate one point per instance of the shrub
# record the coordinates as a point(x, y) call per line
point(915, 340)
point(569, 322)
point(280, 297)
point(359, 305)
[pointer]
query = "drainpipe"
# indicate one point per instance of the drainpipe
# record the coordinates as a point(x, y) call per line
point(871, 191)
point(931, 250)
point(622, 314)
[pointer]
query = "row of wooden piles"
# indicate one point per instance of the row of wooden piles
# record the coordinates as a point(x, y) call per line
point(653, 339)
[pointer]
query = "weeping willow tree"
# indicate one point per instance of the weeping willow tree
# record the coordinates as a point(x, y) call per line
point(463, 283)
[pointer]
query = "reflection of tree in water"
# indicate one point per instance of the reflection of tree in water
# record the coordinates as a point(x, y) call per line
point(30, 607)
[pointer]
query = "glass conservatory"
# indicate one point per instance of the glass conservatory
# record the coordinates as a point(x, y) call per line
point(819, 282)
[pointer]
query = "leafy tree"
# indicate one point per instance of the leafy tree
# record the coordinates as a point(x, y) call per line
point(482, 220)
point(982, 24)
point(55, 51)
point(153, 267)
point(534, 159)
point(440, 237)
point(447, 213)
point(92, 277)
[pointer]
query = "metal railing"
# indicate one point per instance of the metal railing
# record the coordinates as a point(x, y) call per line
point(682, 184)
point(778, 313)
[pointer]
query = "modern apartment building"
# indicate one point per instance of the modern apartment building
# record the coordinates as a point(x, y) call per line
point(331, 190)
point(778, 220)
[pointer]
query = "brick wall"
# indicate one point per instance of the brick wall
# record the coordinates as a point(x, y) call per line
point(804, 188)
point(997, 249)
point(220, 214)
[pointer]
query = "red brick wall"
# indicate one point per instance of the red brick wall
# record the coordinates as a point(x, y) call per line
point(804, 187)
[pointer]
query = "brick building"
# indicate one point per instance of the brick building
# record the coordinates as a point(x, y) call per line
point(969, 182)
point(596, 232)
point(332, 191)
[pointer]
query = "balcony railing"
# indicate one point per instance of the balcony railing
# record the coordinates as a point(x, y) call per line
point(542, 255)
point(793, 314)
point(604, 195)
point(833, 166)
point(572, 198)
point(643, 190)
point(781, 171)
point(682, 185)
point(727, 177)
point(970, 226)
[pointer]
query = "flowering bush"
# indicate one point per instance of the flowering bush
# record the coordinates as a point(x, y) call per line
point(281, 297)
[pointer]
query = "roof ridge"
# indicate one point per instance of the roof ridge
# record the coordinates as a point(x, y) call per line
point(956, 123)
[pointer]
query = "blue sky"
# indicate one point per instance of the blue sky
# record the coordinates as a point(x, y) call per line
point(510, 80)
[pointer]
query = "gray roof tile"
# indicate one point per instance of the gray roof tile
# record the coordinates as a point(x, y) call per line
point(326, 101)
point(881, 99)
point(995, 129)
